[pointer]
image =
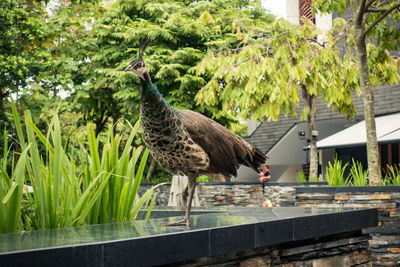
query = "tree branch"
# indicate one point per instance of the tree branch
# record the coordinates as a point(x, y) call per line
point(360, 12)
point(369, 3)
point(371, 10)
point(387, 12)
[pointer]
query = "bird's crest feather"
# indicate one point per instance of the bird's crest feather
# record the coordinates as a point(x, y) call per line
point(143, 43)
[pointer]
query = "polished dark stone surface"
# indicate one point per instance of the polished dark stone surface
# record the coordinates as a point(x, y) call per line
point(256, 183)
point(213, 231)
point(347, 189)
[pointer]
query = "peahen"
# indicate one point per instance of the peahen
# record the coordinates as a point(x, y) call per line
point(184, 141)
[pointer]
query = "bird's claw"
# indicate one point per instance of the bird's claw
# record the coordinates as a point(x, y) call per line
point(180, 223)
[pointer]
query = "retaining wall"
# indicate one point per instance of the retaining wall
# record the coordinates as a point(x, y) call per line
point(384, 239)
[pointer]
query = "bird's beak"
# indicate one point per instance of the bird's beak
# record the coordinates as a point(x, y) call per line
point(129, 68)
point(138, 72)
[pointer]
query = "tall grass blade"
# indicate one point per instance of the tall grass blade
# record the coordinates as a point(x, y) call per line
point(358, 175)
point(335, 173)
point(14, 202)
point(18, 126)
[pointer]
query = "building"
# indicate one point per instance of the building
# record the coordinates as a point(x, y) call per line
point(283, 141)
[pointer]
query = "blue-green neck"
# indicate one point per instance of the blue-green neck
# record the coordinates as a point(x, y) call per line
point(157, 114)
point(151, 96)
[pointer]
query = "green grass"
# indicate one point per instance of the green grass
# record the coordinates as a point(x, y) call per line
point(301, 177)
point(335, 173)
point(392, 175)
point(358, 175)
point(84, 186)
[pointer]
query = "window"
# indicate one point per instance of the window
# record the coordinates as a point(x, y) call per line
point(305, 10)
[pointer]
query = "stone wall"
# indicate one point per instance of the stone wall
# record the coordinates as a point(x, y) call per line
point(162, 192)
point(384, 239)
point(344, 250)
point(235, 194)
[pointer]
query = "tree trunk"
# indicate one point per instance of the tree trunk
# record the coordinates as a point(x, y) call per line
point(100, 123)
point(152, 167)
point(313, 140)
point(310, 102)
point(374, 162)
point(3, 122)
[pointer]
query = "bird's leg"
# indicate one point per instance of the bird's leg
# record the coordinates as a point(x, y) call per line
point(192, 188)
point(184, 195)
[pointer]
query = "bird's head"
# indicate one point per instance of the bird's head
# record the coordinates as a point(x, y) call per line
point(137, 67)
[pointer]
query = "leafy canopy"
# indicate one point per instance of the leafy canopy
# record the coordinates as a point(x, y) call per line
point(261, 77)
point(180, 32)
point(382, 37)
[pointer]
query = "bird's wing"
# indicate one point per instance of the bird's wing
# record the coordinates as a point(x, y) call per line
point(225, 149)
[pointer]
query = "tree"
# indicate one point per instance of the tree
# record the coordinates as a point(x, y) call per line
point(69, 22)
point(22, 31)
point(271, 70)
point(179, 32)
point(372, 32)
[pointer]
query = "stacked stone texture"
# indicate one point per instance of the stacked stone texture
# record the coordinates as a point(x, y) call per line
point(162, 192)
point(232, 194)
point(246, 195)
point(384, 239)
point(229, 195)
point(341, 252)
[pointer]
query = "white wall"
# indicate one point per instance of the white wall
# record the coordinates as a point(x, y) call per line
point(292, 11)
point(290, 175)
point(288, 151)
point(323, 22)
point(327, 155)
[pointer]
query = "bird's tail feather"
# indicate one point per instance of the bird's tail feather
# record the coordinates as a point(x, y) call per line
point(257, 160)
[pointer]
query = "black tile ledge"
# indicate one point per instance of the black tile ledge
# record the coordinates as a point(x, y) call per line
point(214, 231)
point(253, 183)
point(347, 189)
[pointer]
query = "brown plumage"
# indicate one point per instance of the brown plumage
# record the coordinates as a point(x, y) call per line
point(225, 150)
point(184, 141)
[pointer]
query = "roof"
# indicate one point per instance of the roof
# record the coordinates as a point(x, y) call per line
point(387, 99)
point(387, 130)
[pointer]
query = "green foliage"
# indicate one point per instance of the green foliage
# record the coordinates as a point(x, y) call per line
point(392, 175)
point(385, 181)
point(180, 32)
point(386, 33)
point(335, 173)
point(301, 177)
point(371, 33)
point(83, 48)
point(204, 179)
point(22, 32)
point(359, 176)
point(261, 77)
point(100, 186)
point(22, 29)
point(383, 67)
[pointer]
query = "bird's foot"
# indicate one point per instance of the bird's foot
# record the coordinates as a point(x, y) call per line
point(180, 223)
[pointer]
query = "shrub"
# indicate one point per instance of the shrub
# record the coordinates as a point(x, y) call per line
point(335, 173)
point(100, 187)
point(301, 177)
point(358, 175)
point(393, 175)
